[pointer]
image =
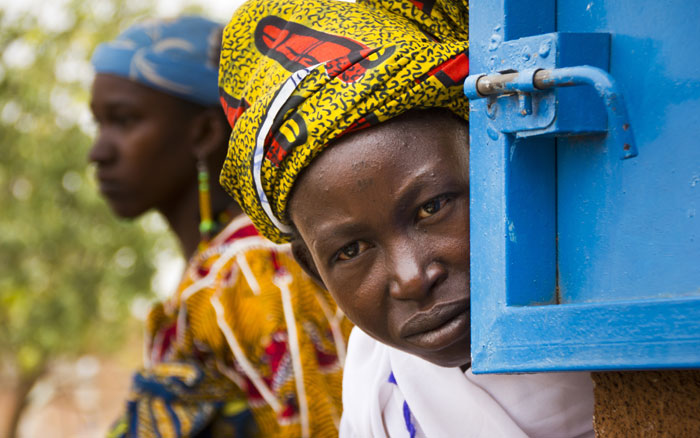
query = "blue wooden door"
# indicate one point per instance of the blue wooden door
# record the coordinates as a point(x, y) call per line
point(585, 235)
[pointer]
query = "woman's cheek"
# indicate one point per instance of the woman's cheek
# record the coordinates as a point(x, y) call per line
point(351, 291)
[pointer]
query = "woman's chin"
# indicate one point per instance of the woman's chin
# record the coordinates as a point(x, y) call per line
point(457, 355)
point(125, 210)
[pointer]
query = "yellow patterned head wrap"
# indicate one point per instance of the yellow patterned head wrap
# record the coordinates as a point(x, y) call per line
point(297, 74)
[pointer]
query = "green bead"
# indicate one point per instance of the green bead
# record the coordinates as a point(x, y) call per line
point(206, 226)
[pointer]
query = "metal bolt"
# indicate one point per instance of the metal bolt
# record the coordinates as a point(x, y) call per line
point(524, 104)
point(491, 108)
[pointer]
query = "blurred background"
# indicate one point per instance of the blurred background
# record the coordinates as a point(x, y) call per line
point(75, 283)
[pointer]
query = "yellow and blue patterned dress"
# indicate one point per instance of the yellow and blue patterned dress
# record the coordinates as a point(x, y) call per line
point(249, 346)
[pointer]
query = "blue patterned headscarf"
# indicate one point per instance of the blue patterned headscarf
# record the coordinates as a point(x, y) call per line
point(178, 56)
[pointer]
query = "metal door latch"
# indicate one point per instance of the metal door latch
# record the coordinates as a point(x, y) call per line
point(529, 81)
point(525, 96)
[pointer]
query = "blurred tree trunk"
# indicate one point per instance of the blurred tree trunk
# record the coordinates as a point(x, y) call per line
point(20, 398)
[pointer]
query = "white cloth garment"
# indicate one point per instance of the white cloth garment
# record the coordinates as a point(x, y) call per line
point(446, 402)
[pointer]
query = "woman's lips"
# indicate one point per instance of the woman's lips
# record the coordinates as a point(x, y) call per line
point(439, 326)
point(108, 187)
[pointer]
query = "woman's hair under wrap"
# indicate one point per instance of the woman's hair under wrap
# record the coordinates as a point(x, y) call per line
point(297, 74)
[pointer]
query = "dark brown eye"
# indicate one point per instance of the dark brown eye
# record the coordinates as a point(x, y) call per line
point(124, 120)
point(431, 207)
point(351, 250)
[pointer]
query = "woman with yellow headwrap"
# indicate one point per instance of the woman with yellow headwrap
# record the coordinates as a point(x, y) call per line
point(349, 140)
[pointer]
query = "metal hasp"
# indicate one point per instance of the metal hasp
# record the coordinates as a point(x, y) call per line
point(580, 260)
point(523, 110)
point(529, 81)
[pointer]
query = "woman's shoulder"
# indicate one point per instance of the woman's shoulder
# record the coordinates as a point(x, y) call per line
point(366, 386)
point(366, 358)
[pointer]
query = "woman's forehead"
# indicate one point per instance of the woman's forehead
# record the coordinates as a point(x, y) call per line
point(111, 91)
point(114, 90)
point(425, 133)
point(383, 158)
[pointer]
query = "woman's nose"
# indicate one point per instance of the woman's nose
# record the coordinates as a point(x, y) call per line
point(414, 273)
point(102, 150)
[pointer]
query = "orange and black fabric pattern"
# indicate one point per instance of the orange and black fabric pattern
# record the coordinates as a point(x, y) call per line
point(249, 346)
point(297, 74)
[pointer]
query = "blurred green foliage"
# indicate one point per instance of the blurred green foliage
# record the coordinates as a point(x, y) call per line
point(68, 269)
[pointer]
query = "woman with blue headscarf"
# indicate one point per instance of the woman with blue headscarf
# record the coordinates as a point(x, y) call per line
point(248, 345)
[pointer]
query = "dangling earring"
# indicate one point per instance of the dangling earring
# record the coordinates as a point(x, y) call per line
point(206, 225)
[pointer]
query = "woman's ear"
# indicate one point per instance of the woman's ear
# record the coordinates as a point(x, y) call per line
point(303, 257)
point(209, 131)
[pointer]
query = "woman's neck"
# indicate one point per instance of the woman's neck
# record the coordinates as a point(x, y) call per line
point(183, 215)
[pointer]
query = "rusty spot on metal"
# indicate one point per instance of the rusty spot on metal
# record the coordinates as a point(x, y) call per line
point(627, 147)
point(626, 126)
